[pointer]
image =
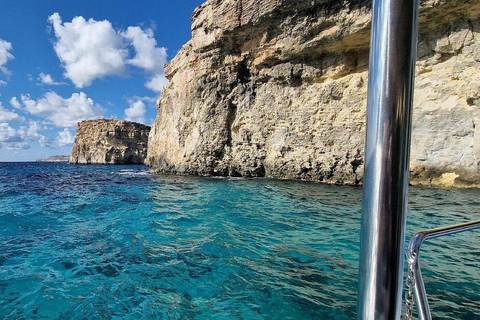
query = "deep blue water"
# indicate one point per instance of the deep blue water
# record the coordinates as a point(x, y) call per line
point(114, 242)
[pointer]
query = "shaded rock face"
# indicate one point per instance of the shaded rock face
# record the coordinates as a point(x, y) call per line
point(108, 141)
point(278, 89)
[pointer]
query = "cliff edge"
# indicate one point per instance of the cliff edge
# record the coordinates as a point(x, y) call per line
point(278, 89)
point(108, 141)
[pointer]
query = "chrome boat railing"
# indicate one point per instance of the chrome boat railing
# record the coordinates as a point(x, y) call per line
point(387, 152)
point(415, 274)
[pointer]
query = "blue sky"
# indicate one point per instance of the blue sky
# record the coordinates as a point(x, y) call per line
point(66, 61)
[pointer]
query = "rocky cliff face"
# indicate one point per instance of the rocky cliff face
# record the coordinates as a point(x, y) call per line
point(278, 88)
point(108, 141)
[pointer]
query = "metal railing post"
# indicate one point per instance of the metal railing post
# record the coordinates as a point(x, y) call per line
point(413, 257)
point(390, 93)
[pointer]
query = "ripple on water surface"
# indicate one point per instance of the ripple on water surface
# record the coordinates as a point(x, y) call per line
point(105, 242)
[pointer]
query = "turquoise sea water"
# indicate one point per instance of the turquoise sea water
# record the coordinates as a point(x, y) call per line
point(114, 242)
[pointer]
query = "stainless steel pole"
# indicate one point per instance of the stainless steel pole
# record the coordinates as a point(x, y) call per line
point(413, 257)
point(390, 93)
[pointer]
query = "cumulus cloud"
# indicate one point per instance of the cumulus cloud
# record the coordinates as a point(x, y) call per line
point(88, 49)
point(136, 112)
point(15, 146)
point(61, 112)
point(3, 83)
point(93, 49)
point(5, 55)
point(157, 83)
point(48, 80)
point(147, 55)
point(12, 139)
point(32, 132)
point(65, 138)
point(15, 103)
point(7, 116)
point(9, 135)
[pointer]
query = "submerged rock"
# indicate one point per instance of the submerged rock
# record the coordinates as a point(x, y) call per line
point(109, 141)
point(278, 89)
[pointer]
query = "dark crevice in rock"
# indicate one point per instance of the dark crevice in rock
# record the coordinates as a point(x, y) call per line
point(471, 27)
point(472, 101)
point(232, 114)
point(355, 164)
point(240, 12)
point(295, 79)
point(259, 171)
point(244, 74)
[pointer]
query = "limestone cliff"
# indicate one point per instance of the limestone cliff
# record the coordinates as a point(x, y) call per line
point(278, 88)
point(108, 141)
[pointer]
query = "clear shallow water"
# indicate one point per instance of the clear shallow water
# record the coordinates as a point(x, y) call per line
point(113, 242)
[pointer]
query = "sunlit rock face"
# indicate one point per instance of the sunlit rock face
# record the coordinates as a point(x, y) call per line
point(108, 141)
point(278, 89)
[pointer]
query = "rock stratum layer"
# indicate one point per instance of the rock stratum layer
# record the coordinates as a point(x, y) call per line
point(278, 89)
point(108, 141)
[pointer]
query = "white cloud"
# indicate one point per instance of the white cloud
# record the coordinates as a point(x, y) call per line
point(136, 112)
point(147, 56)
point(150, 100)
point(64, 138)
point(3, 83)
point(61, 112)
point(32, 132)
point(93, 49)
point(88, 49)
point(15, 145)
point(10, 139)
point(48, 80)
point(7, 116)
point(8, 134)
point(5, 55)
point(14, 102)
point(157, 83)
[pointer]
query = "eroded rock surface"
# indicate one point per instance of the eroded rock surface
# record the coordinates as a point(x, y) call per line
point(278, 88)
point(108, 141)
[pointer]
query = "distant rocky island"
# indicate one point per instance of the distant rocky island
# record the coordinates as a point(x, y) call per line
point(57, 158)
point(110, 141)
point(278, 89)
